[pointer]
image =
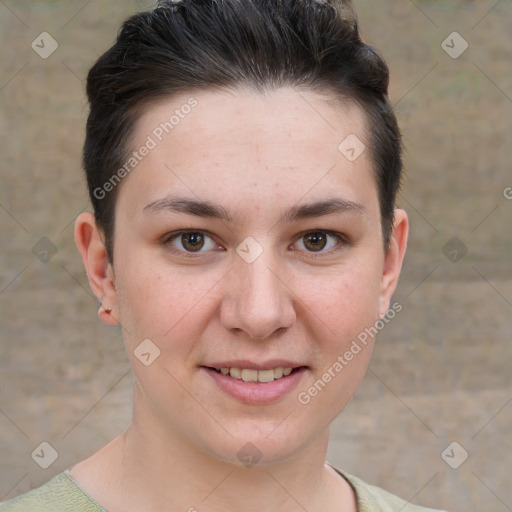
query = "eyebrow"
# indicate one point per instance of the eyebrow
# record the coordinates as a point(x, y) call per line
point(190, 206)
point(321, 208)
point(296, 213)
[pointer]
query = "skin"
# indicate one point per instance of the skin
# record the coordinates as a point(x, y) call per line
point(257, 156)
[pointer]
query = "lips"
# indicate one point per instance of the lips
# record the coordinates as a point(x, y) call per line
point(253, 383)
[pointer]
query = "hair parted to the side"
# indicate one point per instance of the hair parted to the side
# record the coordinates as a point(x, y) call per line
point(259, 45)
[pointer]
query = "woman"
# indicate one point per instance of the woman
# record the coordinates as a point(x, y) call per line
point(242, 160)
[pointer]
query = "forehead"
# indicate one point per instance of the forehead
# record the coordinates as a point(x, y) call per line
point(304, 116)
point(284, 144)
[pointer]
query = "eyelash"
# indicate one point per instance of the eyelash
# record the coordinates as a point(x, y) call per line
point(341, 239)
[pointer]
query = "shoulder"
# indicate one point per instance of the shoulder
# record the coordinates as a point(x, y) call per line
point(371, 498)
point(60, 494)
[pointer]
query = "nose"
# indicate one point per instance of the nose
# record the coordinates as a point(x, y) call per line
point(258, 301)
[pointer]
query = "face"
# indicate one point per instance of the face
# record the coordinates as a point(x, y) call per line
point(246, 245)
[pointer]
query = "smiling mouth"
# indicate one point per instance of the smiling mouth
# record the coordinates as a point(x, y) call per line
point(250, 375)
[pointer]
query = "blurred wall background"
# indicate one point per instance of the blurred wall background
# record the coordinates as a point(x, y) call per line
point(439, 388)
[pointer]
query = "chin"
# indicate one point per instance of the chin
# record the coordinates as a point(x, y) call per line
point(255, 446)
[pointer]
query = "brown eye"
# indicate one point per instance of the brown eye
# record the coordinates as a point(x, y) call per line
point(192, 241)
point(322, 242)
point(189, 242)
point(315, 241)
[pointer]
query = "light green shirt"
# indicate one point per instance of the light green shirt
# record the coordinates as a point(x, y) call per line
point(62, 494)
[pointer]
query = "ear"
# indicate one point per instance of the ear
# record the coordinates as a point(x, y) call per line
point(89, 241)
point(393, 259)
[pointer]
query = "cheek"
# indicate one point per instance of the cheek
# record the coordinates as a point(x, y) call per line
point(343, 311)
point(166, 307)
point(159, 303)
point(346, 302)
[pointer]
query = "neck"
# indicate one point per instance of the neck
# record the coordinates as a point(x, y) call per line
point(151, 467)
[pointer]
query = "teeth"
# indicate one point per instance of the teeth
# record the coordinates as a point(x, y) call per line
point(235, 373)
point(250, 375)
point(265, 375)
point(256, 375)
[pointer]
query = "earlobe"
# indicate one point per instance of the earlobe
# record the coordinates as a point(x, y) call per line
point(88, 239)
point(393, 259)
